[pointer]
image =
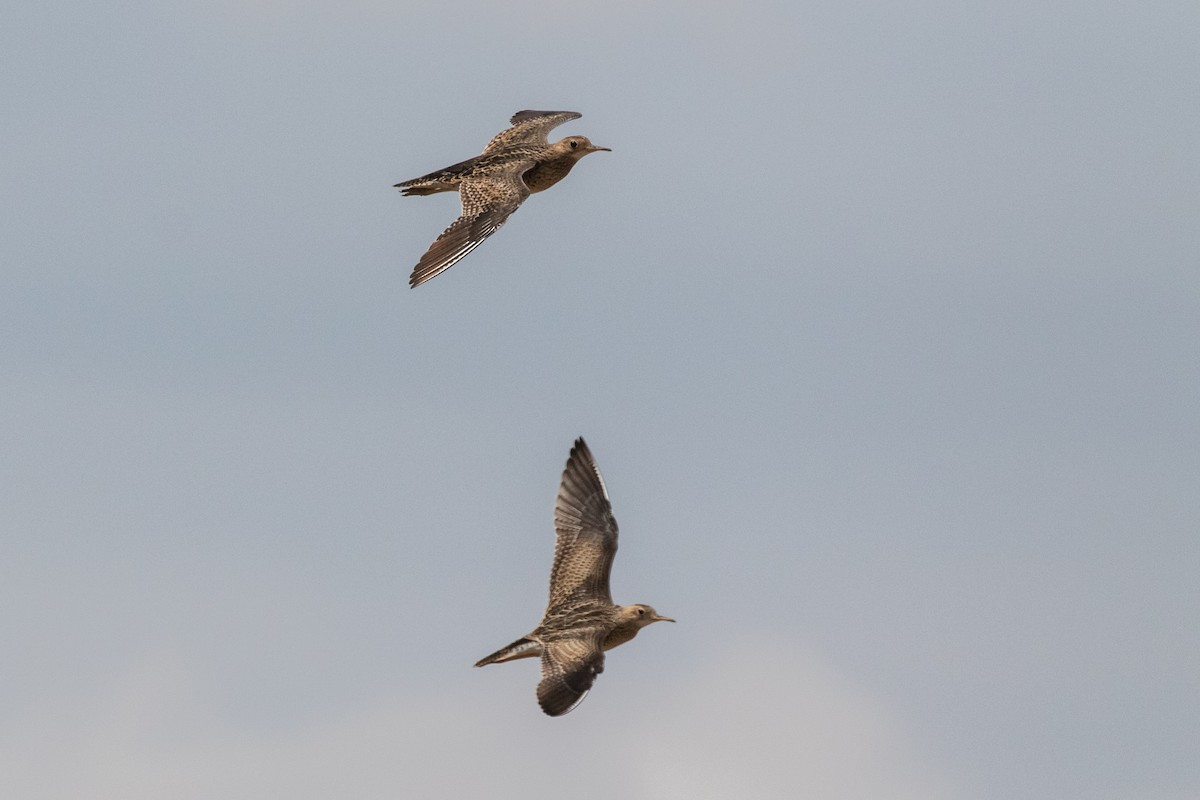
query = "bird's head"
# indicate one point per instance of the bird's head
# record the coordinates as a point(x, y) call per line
point(641, 615)
point(579, 146)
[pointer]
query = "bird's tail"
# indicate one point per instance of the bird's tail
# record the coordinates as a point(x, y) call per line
point(409, 191)
point(521, 648)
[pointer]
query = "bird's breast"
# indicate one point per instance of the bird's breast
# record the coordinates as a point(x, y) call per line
point(547, 173)
point(619, 635)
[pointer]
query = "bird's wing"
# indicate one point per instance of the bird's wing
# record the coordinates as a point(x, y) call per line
point(529, 127)
point(586, 533)
point(569, 668)
point(487, 202)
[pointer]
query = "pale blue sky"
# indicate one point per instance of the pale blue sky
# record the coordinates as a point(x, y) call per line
point(882, 320)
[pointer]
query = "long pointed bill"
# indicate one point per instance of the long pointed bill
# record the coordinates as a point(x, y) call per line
point(657, 618)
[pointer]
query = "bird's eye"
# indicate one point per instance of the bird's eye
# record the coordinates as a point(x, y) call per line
point(574, 144)
point(641, 611)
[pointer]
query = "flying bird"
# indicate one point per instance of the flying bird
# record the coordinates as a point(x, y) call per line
point(517, 162)
point(581, 620)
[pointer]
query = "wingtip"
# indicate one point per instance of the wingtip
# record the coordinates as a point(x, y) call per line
point(557, 705)
point(423, 273)
point(580, 452)
point(530, 113)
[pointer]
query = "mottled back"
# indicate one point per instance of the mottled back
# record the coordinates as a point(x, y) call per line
point(529, 127)
point(586, 534)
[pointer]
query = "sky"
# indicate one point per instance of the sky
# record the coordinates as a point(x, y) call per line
point(882, 321)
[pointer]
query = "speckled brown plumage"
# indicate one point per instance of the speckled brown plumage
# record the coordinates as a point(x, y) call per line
point(517, 162)
point(581, 621)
